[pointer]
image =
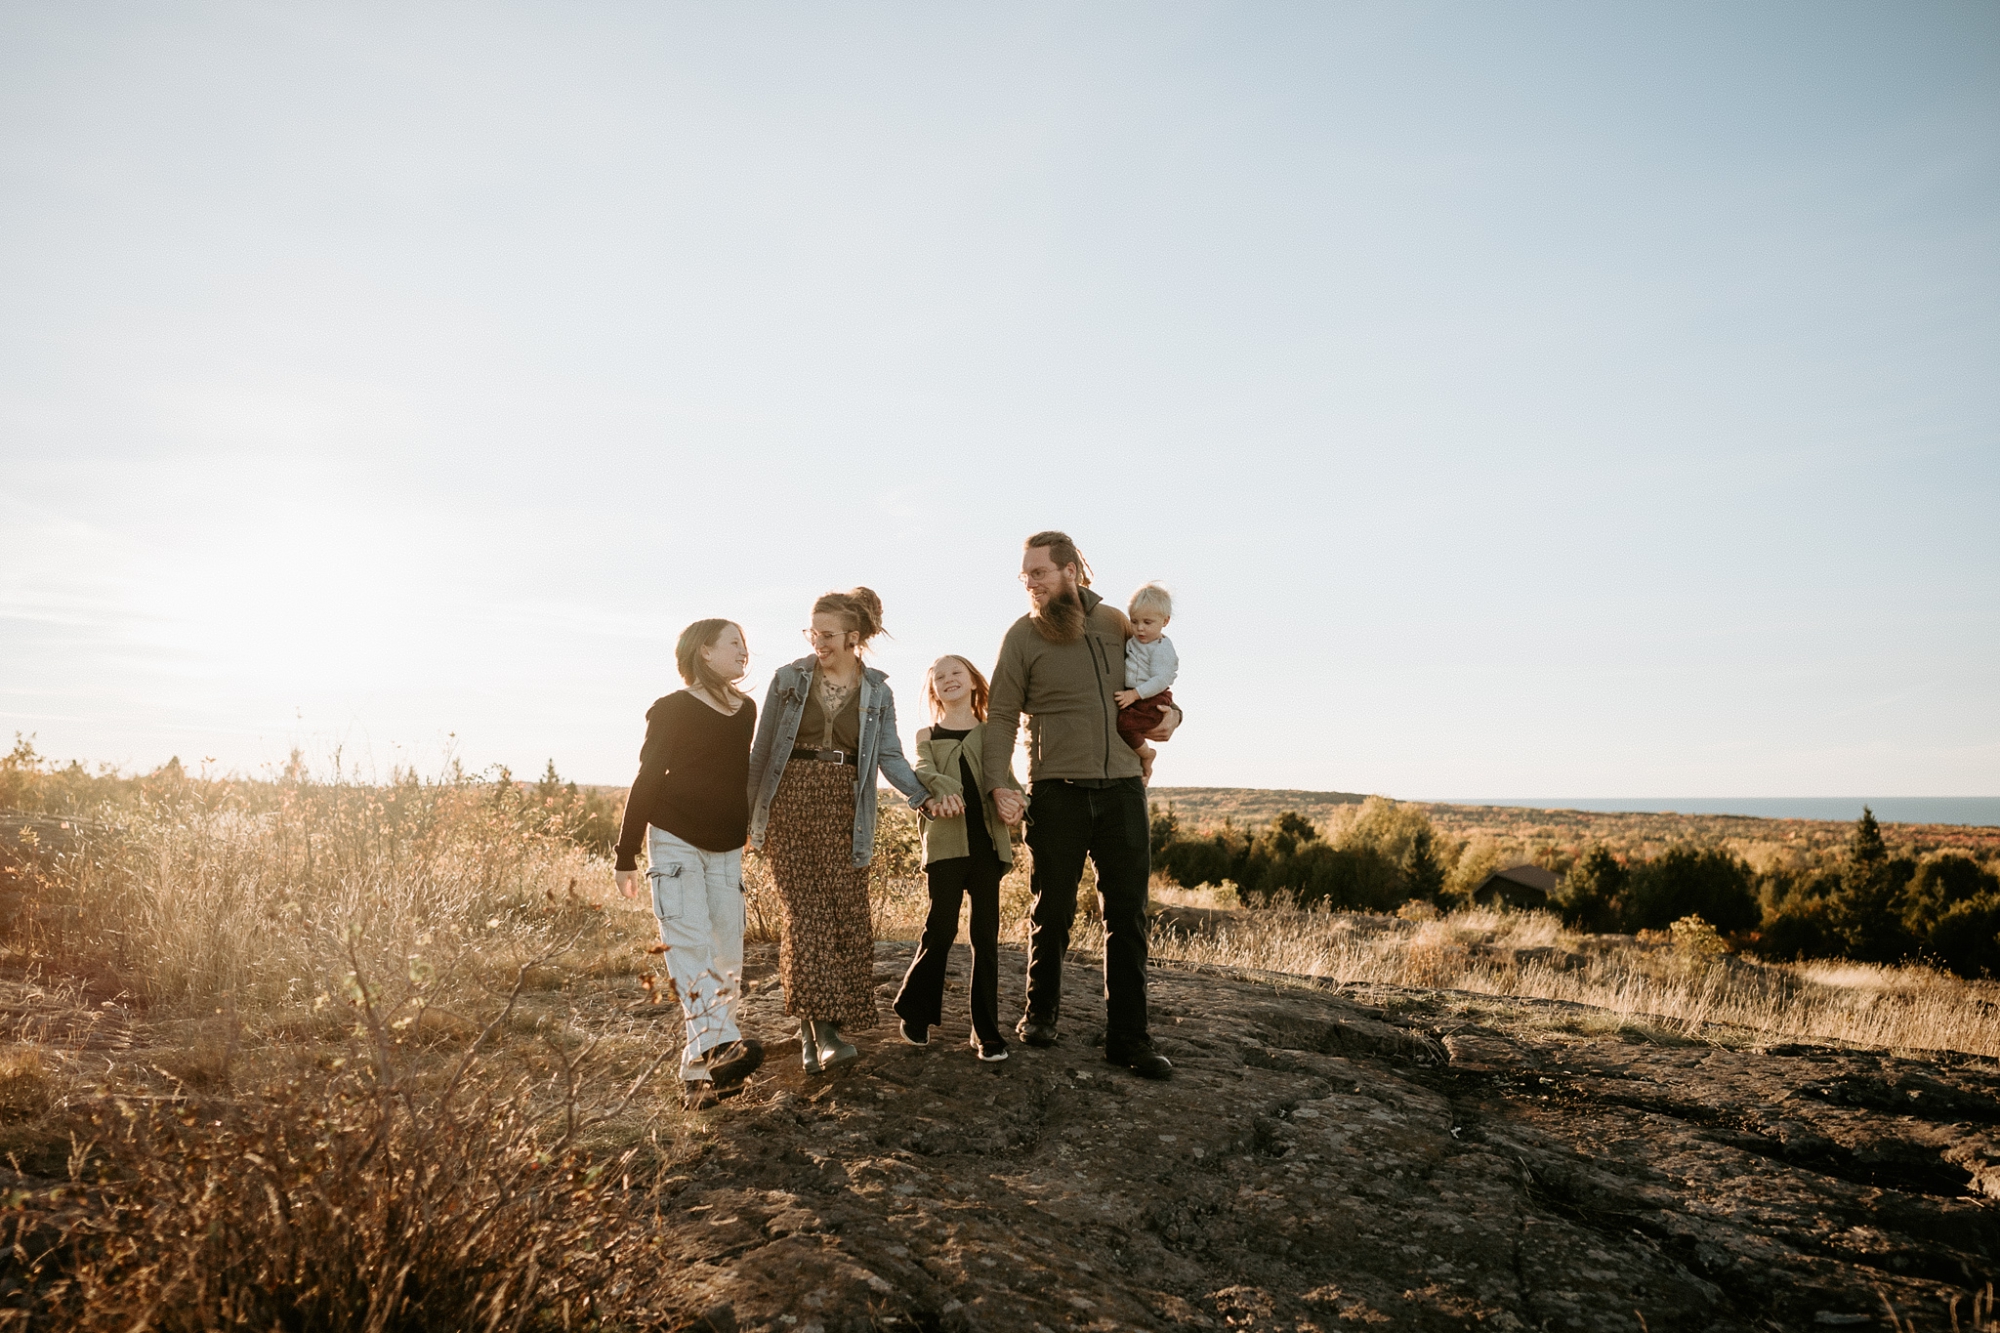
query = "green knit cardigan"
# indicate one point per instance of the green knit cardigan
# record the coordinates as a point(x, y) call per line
point(937, 769)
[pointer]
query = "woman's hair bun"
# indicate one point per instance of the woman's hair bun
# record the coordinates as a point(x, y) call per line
point(868, 610)
point(859, 609)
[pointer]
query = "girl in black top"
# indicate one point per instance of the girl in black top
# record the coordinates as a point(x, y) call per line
point(690, 805)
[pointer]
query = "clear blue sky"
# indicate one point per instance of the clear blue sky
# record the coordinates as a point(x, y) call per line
point(1582, 399)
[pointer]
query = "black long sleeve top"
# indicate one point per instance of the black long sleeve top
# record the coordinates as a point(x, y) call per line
point(694, 777)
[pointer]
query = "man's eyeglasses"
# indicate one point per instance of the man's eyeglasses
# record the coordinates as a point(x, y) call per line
point(1049, 575)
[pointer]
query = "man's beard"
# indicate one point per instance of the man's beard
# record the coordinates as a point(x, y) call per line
point(1060, 618)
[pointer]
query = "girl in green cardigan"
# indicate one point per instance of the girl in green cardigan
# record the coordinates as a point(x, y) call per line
point(966, 852)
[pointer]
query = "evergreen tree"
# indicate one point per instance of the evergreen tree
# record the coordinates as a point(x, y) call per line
point(1866, 910)
point(1423, 877)
point(1864, 845)
point(550, 787)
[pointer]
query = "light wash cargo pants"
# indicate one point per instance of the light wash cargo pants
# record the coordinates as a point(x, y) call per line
point(698, 898)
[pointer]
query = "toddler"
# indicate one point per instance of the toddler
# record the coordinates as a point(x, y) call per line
point(1150, 667)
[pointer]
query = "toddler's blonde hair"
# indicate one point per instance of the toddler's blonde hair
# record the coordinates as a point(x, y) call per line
point(1151, 597)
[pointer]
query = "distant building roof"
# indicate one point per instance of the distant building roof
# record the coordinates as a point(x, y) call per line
point(1517, 886)
point(1533, 876)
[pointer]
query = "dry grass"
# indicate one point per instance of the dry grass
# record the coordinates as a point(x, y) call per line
point(1626, 982)
point(326, 1055)
point(200, 901)
point(385, 1195)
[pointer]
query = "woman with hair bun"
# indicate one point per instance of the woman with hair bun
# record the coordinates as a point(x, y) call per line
point(688, 807)
point(829, 725)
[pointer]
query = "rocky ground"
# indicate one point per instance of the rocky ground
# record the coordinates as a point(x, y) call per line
point(1381, 1158)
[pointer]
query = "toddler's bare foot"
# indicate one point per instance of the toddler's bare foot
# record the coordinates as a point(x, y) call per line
point(1146, 755)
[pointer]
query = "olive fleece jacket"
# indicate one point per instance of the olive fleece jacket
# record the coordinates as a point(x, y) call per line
point(1065, 689)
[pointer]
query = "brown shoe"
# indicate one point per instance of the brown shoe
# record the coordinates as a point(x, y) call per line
point(698, 1094)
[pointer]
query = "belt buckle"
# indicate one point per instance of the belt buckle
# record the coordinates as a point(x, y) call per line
point(830, 756)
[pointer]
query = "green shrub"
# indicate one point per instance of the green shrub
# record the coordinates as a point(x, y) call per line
point(1686, 881)
point(1796, 920)
point(1193, 862)
point(1965, 937)
point(1590, 896)
point(1392, 828)
point(1353, 879)
point(1697, 941)
point(1937, 886)
point(1799, 931)
point(1951, 908)
point(1288, 856)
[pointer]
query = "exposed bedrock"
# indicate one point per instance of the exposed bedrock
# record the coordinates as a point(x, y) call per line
point(1323, 1162)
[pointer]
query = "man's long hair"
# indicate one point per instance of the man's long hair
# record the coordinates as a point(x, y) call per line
point(1060, 619)
point(1062, 551)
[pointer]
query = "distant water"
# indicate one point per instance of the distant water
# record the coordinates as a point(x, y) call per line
point(1888, 809)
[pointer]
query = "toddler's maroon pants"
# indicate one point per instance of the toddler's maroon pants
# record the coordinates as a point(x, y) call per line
point(1142, 717)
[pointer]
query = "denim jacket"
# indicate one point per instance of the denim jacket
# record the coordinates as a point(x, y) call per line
point(778, 732)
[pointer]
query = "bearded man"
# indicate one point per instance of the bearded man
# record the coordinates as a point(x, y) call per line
point(1060, 664)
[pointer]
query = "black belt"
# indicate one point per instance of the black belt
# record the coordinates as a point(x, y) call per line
point(828, 756)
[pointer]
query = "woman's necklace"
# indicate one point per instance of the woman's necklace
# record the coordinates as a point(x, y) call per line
point(833, 696)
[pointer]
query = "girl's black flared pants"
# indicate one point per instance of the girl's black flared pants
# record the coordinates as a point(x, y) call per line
point(921, 999)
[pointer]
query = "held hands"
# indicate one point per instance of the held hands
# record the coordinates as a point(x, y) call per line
point(944, 807)
point(1126, 698)
point(1009, 803)
point(628, 883)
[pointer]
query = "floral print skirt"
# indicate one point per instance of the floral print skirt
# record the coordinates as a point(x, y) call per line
point(826, 958)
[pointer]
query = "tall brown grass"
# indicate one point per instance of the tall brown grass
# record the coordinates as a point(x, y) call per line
point(379, 1196)
point(1693, 991)
point(363, 1079)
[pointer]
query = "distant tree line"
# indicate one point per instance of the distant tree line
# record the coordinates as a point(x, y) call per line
point(1872, 906)
point(1384, 859)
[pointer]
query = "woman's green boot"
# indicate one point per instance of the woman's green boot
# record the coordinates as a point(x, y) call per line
point(832, 1050)
point(809, 1045)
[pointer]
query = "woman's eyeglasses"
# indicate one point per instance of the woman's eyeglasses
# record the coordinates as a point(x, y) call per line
point(823, 635)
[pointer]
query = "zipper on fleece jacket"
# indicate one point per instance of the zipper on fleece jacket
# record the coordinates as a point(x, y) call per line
point(1104, 673)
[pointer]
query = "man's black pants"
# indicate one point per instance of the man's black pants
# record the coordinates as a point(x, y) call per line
point(1066, 823)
